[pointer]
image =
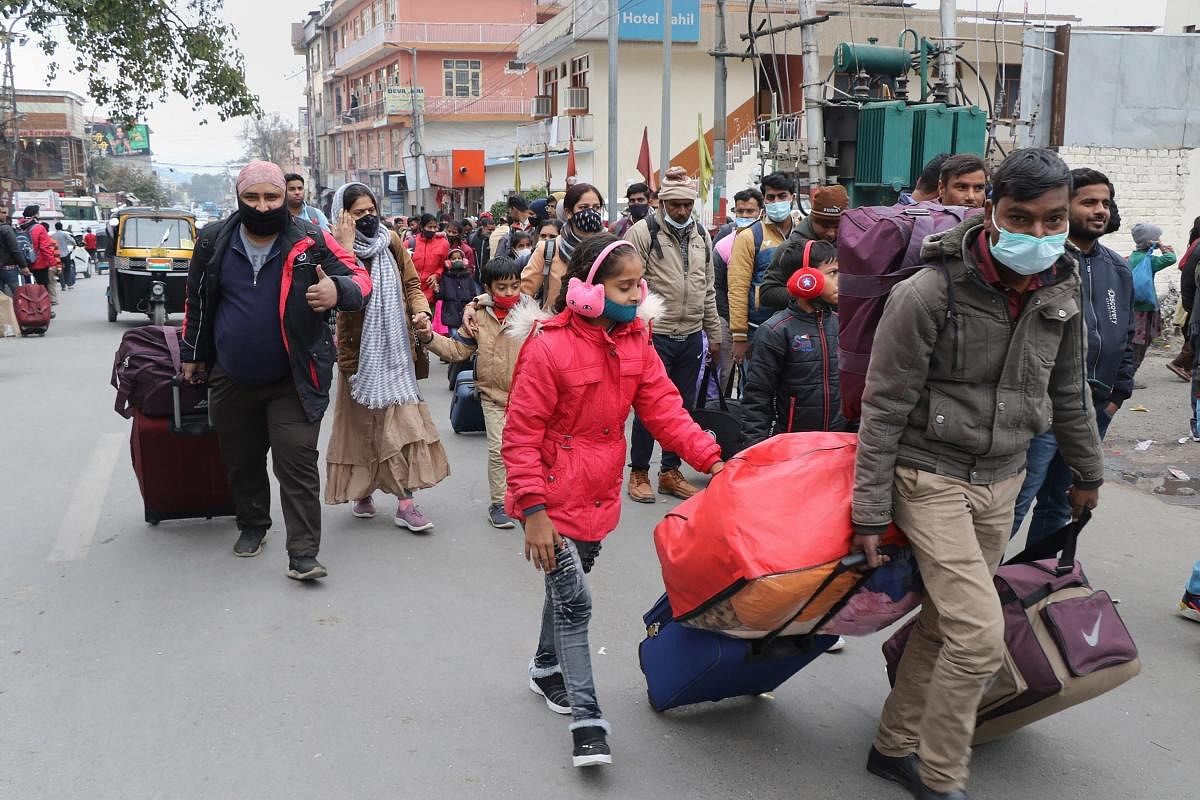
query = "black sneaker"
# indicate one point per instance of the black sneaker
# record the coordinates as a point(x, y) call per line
point(591, 747)
point(554, 689)
point(898, 770)
point(249, 543)
point(305, 568)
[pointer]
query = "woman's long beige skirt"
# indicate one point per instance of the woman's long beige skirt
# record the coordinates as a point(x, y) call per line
point(392, 449)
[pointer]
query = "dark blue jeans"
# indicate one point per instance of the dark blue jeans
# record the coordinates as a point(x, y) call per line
point(563, 643)
point(1048, 479)
point(10, 279)
point(683, 359)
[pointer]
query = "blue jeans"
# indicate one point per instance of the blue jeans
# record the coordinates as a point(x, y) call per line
point(1047, 478)
point(10, 279)
point(682, 358)
point(1195, 398)
point(563, 644)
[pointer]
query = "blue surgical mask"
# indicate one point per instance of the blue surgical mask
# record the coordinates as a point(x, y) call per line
point(779, 211)
point(620, 312)
point(679, 226)
point(744, 222)
point(1025, 254)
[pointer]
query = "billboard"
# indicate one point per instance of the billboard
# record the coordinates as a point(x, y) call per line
point(121, 140)
point(399, 100)
point(642, 21)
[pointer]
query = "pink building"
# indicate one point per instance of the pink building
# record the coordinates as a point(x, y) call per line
point(388, 79)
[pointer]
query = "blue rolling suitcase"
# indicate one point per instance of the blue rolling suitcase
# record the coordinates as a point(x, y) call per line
point(686, 665)
point(466, 412)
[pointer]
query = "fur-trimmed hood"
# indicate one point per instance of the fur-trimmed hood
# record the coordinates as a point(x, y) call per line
point(527, 314)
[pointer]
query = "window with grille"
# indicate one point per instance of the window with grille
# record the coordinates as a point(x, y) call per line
point(462, 78)
point(1008, 91)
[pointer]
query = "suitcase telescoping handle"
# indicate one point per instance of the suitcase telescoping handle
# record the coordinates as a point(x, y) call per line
point(175, 386)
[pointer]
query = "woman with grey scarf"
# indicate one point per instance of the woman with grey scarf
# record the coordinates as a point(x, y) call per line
point(383, 437)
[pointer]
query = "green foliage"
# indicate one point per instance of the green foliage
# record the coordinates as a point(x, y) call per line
point(209, 188)
point(136, 53)
point(117, 177)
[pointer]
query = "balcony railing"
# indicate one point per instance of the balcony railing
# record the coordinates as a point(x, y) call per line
point(504, 33)
point(447, 106)
point(555, 133)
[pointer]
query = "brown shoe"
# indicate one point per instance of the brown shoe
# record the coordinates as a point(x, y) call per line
point(639, 486)
point(673, 483)
point(1184, 375)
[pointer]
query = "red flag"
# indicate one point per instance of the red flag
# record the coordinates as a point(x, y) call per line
point(571, 158)
point(643, 162)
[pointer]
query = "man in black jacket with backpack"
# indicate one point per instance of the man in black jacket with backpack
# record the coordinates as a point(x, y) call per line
point(13, 263)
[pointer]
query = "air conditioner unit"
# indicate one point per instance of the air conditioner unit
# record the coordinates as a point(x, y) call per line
point(577, 100)
point(543, 106)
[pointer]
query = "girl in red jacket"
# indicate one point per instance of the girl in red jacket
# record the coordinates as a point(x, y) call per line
point(579, 374)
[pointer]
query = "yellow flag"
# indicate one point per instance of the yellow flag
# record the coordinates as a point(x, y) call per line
point(516, 171)
point(706, 162)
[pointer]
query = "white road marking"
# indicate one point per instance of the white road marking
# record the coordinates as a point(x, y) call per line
point(82, 515)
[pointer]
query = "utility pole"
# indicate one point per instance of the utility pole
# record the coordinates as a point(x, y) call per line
point(947, 63)
point(719, 132)
point(814, 101)
point(664, 159)
point(417, 151)
point(613, 36)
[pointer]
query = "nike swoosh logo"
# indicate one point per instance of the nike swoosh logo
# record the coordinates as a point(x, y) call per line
point(1093, 638)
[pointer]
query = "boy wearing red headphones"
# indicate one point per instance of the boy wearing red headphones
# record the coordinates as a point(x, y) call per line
point(792, 384)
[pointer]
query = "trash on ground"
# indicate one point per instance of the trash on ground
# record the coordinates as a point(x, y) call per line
point(1139, 407)
point(1178, 474)
point(1143, 445)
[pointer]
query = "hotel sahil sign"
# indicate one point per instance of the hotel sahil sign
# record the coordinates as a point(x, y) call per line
point(642, 21)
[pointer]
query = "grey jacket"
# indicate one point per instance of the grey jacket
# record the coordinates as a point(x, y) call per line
point(683, 276)
point(963, 396)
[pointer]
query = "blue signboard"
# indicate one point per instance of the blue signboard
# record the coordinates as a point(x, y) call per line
point(642, 21)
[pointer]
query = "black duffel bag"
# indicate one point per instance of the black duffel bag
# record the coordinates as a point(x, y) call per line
point(723, 422)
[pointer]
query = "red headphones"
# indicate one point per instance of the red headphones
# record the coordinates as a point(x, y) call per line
point(806, 283)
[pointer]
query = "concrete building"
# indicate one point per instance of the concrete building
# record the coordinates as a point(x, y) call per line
point(391, 81)
point(51, 151)
point(1143, 131)
point(571, 57)
point(1183, 16)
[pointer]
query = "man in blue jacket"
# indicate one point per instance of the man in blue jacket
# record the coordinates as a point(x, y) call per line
point(1108, 310)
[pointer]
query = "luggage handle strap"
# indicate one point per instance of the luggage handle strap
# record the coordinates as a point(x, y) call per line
point(1065, 540)
point(845, 565)
point(738, 373)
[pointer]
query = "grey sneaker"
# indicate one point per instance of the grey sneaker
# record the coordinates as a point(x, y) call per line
point(499, 519)
point(249, 543)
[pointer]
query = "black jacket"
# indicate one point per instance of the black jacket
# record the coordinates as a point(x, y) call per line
point(1108, 311)
point(1187, 284)
point(306, 333)
point(793, 380)
point(11, 253)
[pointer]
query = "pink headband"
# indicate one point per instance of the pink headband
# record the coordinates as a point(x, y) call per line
point(603, 255)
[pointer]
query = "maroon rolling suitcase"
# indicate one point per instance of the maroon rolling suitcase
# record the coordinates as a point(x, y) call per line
point(31, 303)
point(179, 468)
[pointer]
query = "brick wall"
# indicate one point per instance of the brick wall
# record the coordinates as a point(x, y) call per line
point(1159, 186)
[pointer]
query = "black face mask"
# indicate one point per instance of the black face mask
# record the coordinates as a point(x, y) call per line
point(453, 239)
point(638, 211)
point(427, 235)
point(264, 223)
point(368, 225)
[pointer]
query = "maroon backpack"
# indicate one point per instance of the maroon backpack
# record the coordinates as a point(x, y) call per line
point(145, 369)
point(878, 246)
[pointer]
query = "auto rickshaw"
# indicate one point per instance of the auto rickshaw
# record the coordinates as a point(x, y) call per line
point(149, 257)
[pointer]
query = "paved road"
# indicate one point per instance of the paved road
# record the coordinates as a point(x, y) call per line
point(152, 663)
